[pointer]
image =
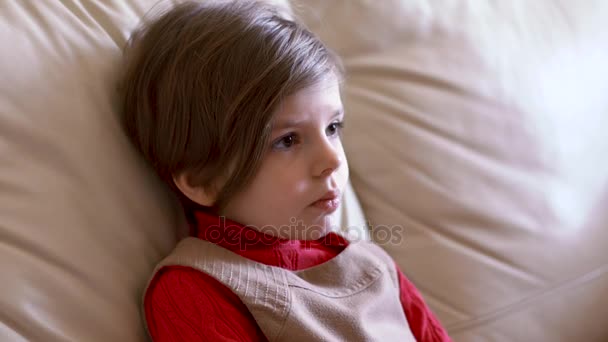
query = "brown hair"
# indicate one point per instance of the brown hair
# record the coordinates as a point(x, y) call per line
point(203, 81)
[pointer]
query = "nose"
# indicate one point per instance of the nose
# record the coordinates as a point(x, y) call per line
point(328, 158)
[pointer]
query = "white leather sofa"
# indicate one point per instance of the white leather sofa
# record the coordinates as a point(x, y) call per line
point(476, 136)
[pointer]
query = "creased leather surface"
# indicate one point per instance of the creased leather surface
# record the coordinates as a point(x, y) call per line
point(479, 129)
point(82, 220)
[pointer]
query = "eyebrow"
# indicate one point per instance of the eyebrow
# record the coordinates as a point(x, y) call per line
point(292, 123)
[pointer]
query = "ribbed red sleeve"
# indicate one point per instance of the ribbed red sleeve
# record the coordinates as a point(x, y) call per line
point(423, 323)
point(184, 304)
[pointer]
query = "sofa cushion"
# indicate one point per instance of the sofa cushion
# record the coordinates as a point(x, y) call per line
point(476, 138)
point(83, 219)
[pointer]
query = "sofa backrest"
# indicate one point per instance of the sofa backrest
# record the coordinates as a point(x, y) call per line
point(476, 130)
point(83, 220)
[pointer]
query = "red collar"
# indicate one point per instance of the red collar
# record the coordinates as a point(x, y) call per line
point(239, 238)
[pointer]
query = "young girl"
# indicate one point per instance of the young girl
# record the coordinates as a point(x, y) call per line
point(238, 109)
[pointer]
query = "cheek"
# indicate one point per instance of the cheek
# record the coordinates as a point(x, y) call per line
point(346, 168)
point(344, 165)
point(344, 174)
point(291, 183)
point(280, 181)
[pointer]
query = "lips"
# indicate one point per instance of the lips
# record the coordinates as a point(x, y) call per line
point(329, 202)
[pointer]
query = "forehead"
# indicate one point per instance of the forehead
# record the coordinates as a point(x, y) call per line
point(319, 101)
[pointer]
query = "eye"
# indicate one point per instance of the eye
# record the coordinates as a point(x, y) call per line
point(285, 142)
point(334, 128)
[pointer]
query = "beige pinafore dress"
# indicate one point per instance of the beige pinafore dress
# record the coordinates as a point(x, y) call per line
point(352, 297)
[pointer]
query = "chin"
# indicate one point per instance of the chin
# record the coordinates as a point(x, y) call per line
point(325, 224)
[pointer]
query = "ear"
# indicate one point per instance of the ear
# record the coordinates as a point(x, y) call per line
point(197, 194)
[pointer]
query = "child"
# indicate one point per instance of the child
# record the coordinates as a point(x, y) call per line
point(238, 109)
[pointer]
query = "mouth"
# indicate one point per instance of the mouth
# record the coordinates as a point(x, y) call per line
point(329, 202)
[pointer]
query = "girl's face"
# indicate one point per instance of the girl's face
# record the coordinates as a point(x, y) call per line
point(304, 171)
